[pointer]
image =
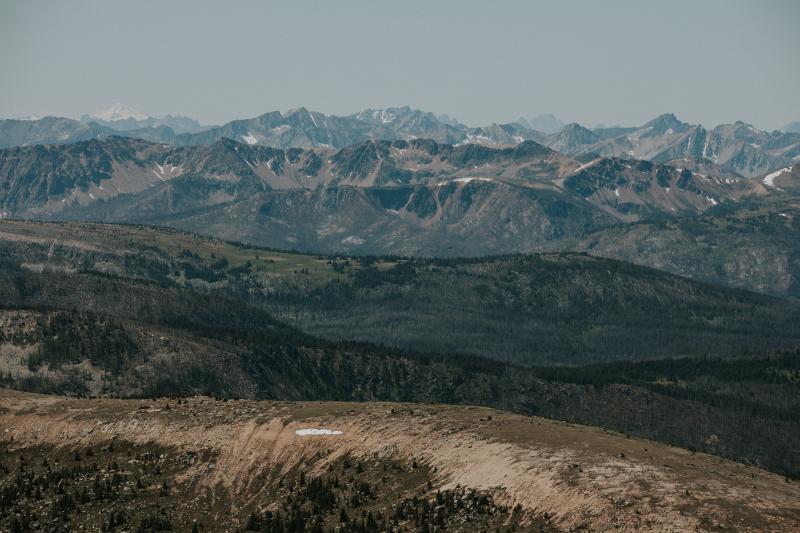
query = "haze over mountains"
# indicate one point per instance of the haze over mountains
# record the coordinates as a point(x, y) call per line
point(546, 123)
point(793, 127)
point(738, 147)
point(124, 118)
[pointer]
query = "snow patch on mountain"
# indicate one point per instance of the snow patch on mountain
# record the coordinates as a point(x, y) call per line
point(769, 179)
point(311, 116)
point(587, 165)
point(475, 139)
point(119, 112)
point(353, 240)
point(383, 115)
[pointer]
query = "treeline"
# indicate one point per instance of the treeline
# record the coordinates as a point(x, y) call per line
point(781, 368)
point(681, 401)
point(119, 486)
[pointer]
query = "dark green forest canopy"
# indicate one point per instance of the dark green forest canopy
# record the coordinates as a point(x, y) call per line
point(527, 309)
point(163, 312)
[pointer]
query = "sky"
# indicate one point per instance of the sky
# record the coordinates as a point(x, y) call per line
point(609, 62)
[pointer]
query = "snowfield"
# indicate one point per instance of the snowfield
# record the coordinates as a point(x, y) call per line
point(587, 165)
point(249, 139)
point(769, 179)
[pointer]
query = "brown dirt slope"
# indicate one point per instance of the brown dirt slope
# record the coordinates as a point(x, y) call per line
point(582, 477)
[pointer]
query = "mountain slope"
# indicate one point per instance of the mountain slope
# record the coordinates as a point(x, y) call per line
point(47, 130)
point(753, 246)
point(640, 190)
point(476, 466)
point(737, 147)
point(135, 311)
point(412, 197)
point(572, 138)
point(530, 309)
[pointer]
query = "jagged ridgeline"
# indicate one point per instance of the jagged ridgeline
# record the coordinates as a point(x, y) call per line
point(737, 147)
point(422, 198)
point(139, 311)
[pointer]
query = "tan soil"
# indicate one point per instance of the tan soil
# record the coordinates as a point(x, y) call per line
point(583, 477)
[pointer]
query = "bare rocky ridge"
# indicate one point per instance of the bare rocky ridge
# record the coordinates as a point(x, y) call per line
point(738, 147)
point(404, 197)
point(575, 476)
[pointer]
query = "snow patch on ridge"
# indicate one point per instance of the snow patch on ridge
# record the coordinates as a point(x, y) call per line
point(587, 165)
point(462, 180)
point(318, 431)
point(475, 139)
point(769, 179)
point(353, 240)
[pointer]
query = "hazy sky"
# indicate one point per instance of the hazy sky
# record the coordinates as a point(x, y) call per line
point(593, 61)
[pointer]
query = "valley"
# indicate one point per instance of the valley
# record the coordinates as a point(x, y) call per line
point(133, 311)
point(360, 267)
point(425, 199)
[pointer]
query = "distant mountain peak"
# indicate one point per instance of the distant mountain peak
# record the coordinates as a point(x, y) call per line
point(574, 126)
point(119, 112)
point(388, 115)
point(545, 123)
point(576, 131)
point(749, 127)
point(302, 110)
point(665, 122)
point(572, 136)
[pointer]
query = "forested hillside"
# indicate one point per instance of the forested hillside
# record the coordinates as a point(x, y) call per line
point(526, 309)
point(164, 314)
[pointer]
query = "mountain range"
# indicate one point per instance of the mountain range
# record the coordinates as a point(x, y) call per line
point(667, 194)
point(135, 311)
point(121, 117)
point(737, 147)
point(410, 197)
point(645, 281)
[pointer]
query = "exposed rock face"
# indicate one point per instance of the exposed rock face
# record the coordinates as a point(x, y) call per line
point(409, 197)
point(736, 147)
